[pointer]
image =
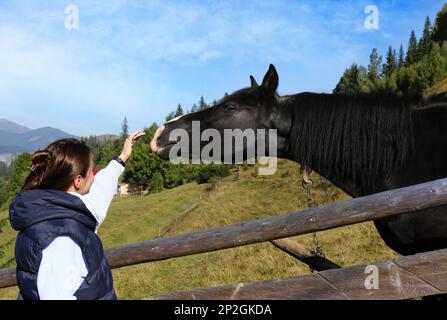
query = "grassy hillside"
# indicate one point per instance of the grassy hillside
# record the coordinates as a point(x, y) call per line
point(140, 218)
point(438, 89)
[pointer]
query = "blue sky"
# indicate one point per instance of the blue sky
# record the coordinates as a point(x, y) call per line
point(139, 59)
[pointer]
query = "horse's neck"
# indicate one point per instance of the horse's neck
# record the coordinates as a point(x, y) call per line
point(347, 185)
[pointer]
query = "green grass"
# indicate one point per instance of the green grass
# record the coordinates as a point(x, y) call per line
point(139, 218)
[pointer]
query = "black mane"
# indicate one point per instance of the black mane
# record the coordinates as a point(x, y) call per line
point(348, 137)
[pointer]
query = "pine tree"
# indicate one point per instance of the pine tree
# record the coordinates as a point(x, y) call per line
point(375, 62)
point(194, 108)
point(412, 50)
point(440, 26)
point(400, 61)
point(170, 116)
point(156, 184)
point(351, 80)
point(391, 64)
point(124, 128)
point(179, 111)
point(425, 43)
point(202, 104)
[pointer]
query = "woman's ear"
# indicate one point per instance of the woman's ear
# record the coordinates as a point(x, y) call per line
point(78, 182)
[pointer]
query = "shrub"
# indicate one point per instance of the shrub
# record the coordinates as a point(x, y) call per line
point(157, 183)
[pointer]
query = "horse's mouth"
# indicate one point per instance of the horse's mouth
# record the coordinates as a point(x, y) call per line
point(163, 152)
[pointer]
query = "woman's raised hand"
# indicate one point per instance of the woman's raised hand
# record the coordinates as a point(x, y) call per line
point(128, 144)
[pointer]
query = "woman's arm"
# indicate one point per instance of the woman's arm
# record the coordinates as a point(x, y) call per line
point(103, 189)
point(105, 183)
point(62, 270)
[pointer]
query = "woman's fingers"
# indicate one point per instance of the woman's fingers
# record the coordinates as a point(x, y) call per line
point(139, 134)
point(136, 135)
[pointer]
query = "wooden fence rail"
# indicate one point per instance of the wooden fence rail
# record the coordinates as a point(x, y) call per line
point(420, 275)
point(344, 213)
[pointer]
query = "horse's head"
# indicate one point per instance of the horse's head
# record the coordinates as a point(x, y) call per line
point(253, 108)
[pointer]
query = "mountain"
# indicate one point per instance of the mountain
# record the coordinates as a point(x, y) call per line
point(15, 138)
point(12, 127)
point(39, 138)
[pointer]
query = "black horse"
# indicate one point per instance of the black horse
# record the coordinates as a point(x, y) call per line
point(363, 144)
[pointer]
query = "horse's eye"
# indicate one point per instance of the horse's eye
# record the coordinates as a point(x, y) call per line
point(229, 107)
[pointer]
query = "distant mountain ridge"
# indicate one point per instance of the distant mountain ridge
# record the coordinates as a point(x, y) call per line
point(15, 138)
point(9, 126)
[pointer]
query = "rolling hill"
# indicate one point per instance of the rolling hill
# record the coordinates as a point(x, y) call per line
point(439, 88)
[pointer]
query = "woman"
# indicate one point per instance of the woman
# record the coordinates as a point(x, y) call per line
point(57, 213)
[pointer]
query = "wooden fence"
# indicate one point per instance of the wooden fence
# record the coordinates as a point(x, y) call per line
point(405, 282)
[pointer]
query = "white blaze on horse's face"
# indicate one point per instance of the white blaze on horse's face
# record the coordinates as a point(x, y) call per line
point(175, 119)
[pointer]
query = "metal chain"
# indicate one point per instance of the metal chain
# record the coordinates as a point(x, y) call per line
point(317, 250)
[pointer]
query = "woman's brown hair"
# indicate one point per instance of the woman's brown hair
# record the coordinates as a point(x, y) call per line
point(56, 166)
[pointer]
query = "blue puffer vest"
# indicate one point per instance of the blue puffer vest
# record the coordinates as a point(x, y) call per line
point(40, 216)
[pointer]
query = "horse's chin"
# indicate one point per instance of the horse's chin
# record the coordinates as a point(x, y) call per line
point(163, 152)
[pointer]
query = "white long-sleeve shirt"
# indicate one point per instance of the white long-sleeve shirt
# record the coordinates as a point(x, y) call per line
point(62, 268)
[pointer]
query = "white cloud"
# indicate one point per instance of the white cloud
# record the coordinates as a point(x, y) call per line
point(119, 55)
point(126, 34)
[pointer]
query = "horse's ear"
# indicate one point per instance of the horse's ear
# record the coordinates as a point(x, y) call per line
point(270, 82)
point(253, 82)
